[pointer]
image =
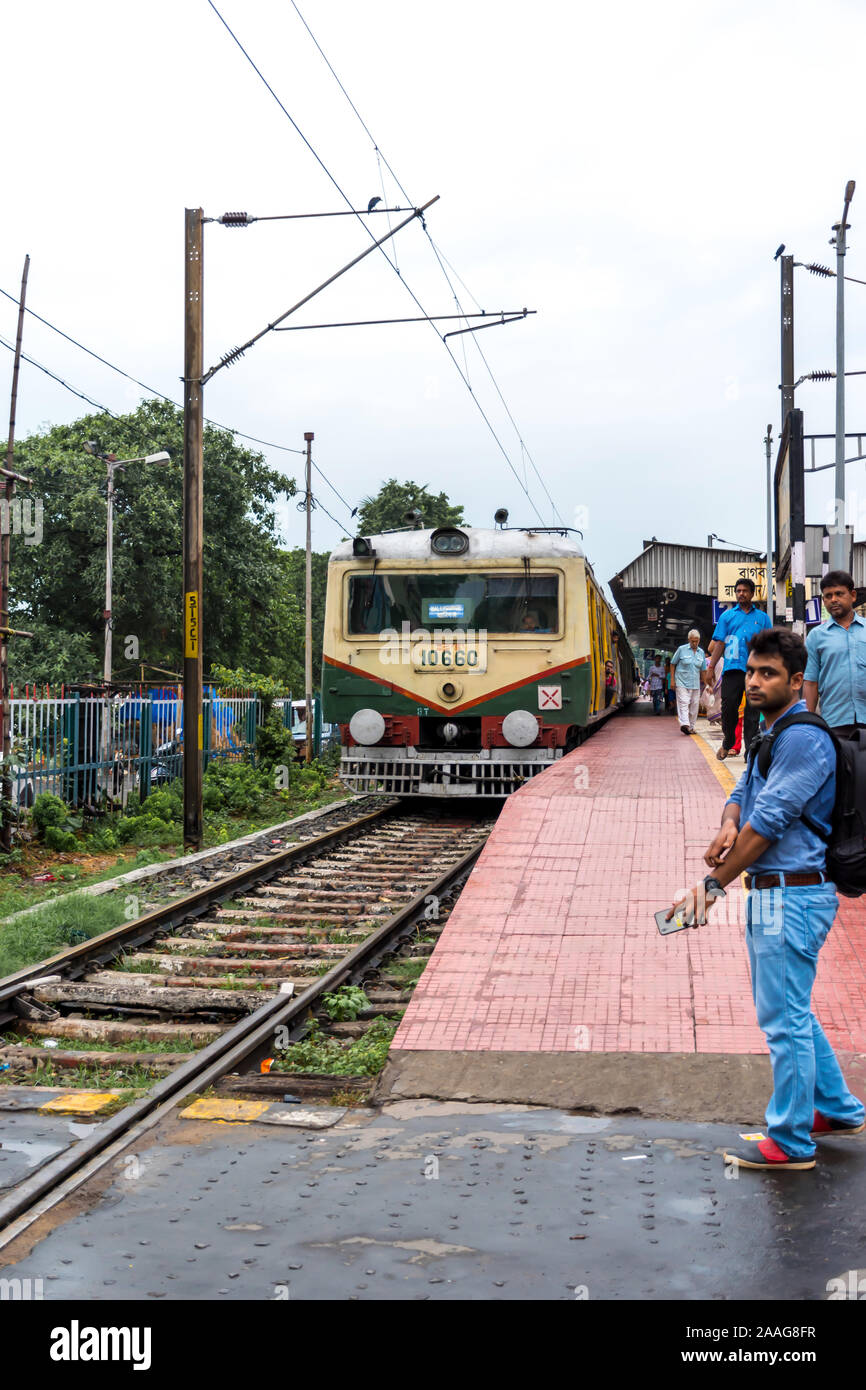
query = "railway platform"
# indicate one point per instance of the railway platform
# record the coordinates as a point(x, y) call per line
point(551, 984)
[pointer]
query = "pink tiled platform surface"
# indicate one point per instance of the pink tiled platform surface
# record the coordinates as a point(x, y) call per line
point(552, 946)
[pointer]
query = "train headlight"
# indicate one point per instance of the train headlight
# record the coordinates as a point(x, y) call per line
point(449, 732)
point(366, 726)
point(520, 728)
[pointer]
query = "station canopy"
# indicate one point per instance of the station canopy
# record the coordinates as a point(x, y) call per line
point(668, 589)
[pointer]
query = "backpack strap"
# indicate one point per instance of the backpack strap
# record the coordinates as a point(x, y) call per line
point(761, 752)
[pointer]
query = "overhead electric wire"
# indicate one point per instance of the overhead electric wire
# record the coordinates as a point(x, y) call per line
point(151, 390)
point(348, 203)
point(60, 381)
point(439, 257)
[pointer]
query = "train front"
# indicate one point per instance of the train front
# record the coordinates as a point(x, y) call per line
point(456, 662)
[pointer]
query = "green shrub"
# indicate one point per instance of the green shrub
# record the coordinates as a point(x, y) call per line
point(166, 804)
point(234, 787)
point(345, 1003)
point(102, 840)
point(61, 841)
point(146, 830)
point(49, 810)
point(275, 746)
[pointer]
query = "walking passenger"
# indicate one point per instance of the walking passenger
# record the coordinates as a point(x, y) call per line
point(790, 907)
point(657, 685)
point(687, 673)
point(836, 668)
point(733, 631)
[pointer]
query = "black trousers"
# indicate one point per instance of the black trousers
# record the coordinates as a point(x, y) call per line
point(733, 685)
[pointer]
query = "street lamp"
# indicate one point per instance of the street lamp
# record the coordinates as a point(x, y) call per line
point(112, 463)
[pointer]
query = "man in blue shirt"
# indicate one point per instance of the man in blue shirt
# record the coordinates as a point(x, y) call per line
point(789, 910)
point(836, 665)
point(733, 632)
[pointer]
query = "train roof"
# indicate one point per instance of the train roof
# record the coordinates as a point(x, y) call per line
point(495, 544)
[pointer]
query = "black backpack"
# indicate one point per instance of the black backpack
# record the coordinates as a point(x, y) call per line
point(846, 843)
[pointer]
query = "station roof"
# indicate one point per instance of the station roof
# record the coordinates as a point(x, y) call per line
point(668, 589)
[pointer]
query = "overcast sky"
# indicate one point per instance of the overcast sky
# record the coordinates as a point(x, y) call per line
point(626, 170)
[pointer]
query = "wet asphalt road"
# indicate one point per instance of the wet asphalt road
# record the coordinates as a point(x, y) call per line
point(438, 1200)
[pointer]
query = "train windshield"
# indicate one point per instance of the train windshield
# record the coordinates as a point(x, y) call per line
point(440, 599)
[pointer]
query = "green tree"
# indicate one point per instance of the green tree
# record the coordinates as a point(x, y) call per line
point(387, 510)
point(251, 615)
point(294, 562)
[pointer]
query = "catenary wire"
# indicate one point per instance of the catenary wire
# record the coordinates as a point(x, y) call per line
point(437, 253)
point(402, 279)
point(228, 429)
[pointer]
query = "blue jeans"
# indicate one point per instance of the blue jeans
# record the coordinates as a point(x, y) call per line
point(785, 930)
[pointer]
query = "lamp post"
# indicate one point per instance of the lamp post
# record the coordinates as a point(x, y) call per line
point(112, 463)
point(838, 545)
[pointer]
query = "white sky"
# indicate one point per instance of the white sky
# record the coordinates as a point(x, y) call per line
point(626, 170)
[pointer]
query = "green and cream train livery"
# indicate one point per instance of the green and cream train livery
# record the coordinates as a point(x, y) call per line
point(460, 662)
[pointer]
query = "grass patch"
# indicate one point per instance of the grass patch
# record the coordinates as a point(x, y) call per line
point(133, 1081)
point(364, 1056)
point(55, 926)
point(93, 1045)
point(405, 973)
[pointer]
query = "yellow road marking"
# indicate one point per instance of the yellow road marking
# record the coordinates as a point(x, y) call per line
point(79, 1103)
point(226, 1110)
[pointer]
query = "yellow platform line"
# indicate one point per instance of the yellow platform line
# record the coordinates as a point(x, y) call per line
point(727, 780)
point(722, 773)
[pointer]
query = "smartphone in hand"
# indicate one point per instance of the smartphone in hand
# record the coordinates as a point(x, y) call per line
point(682, 918)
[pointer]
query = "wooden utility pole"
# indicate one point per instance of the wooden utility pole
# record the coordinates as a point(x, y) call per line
point(308, 626)
point(5, 558)
point(193, 425)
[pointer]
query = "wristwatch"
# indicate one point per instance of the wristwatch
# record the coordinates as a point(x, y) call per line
point(713, 888)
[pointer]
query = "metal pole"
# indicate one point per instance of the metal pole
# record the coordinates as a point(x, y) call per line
point(786, 265)
point(308, 625)
point(109, 565)
point(837, 534)
point(193, 425)
point(5, 559)
point(768, 445)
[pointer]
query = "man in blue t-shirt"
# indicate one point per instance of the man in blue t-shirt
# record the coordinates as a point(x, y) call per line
point(734, 631)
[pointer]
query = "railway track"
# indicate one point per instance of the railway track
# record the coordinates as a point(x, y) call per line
point(285, 979)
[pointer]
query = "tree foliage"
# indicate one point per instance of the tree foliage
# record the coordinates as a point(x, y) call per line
point(387, 510)
point(294, 562)
point(252, 616)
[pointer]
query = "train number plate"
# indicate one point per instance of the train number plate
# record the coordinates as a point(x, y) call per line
point(456, 658)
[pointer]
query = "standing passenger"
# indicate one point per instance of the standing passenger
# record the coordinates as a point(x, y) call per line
point(733, 632)
point(774, 827)
point(836, 668)
point(687, 673)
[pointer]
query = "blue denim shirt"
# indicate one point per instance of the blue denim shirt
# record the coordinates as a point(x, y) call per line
point(802, 778)
point(837, 661)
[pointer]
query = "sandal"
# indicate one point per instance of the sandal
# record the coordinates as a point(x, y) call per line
point(722, 754)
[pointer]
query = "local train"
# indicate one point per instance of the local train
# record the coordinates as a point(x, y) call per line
point(462, 661)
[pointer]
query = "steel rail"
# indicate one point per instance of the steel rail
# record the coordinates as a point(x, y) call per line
point(55, 1180)
point(99, 949)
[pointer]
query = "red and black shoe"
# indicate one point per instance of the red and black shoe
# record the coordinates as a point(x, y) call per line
point(821, 1126)
point(766, 1156)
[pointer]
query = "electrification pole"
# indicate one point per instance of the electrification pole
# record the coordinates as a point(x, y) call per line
point(771, 607)
point(838, 538)
point(786, 264)
point(308, 625)
point(193, 425)
point(5, 559)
